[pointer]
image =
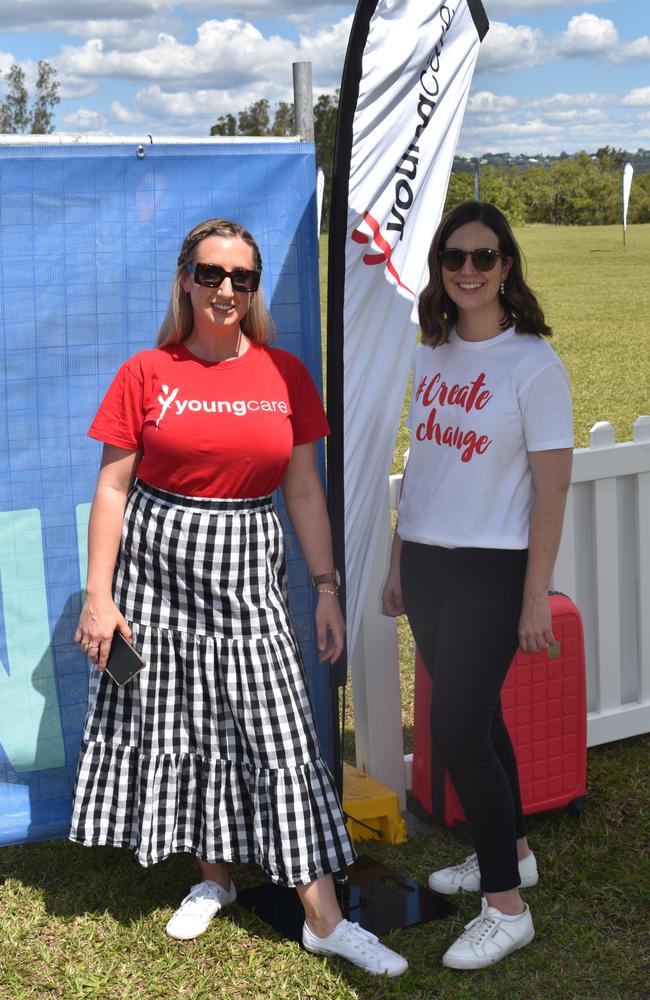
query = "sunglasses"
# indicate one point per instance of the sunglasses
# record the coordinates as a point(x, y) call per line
point(483, 259)
point(213, 275)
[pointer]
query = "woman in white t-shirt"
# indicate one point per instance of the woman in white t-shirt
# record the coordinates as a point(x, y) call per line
point(479, 526)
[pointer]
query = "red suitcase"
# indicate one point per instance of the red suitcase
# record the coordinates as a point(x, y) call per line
point(545, 709)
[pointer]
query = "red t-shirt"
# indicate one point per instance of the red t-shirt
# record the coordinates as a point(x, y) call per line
point(207, 429)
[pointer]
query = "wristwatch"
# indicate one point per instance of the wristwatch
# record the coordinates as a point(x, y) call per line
point(332, 579)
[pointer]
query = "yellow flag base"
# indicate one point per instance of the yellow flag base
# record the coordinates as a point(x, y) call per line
point(371, 809)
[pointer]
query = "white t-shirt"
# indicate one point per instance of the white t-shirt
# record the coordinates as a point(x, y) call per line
point(476, 409)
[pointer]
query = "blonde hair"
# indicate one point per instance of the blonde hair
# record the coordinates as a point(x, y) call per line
point(179, 319)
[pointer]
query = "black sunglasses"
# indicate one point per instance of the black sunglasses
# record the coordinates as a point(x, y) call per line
point(213, 275)
point(483, 260)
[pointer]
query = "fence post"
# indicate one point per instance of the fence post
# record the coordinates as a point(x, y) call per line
point(641, 433)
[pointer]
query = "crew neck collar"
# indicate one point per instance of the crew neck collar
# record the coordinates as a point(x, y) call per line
point(480, 345)
point(226, 364)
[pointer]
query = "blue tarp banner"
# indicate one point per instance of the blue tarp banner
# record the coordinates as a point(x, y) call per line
point(89, 236)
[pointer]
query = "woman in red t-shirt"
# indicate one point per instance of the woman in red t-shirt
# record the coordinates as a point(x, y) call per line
point(211, 749)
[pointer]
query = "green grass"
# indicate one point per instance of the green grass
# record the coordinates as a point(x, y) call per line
point(88, 924)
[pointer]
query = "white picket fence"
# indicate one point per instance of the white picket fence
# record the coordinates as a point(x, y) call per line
point(603, 564)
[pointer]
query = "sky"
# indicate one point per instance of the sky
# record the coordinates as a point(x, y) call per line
point(552, 75)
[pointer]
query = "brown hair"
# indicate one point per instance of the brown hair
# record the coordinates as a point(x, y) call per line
point(177, 324)
point(438, 314)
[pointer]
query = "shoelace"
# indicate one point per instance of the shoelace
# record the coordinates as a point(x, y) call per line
point(358, 937)
point(478, 928)
point(468, 864)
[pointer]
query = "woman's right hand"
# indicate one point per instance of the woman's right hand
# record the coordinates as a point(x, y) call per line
point(391, 598)
point(99, 619)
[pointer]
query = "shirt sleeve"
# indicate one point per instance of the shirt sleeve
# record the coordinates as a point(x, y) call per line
point(120, 417)
point(547, 409)
point(308, 415)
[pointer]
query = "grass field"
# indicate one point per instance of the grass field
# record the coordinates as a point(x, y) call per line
point(80, 924)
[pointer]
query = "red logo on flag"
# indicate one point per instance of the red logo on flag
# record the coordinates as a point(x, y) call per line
point(386, 249)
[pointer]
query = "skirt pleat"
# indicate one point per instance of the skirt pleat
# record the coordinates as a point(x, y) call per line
point(211, 749)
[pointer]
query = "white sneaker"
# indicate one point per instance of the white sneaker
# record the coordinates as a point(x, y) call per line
point(357, 945)
point(202, 903)
point(489, 938)
point(467, 876)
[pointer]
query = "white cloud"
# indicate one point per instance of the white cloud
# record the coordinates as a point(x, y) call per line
point(510, 47)
point(575, 115)
point(507, 48)
point(517, 129)
point(7, 60)
point(125, 116)
point(631, 51)
point(125, 35)
point(485, 102)
point(271, 8)
point(326, 50)
point(536, 135)
point(225, 55)
point(639, 97)
point(29, 14)
point(228, 52)
point(588, 35)
point(561, 101)
point(505, 7)
point(85, 121)
point(184, 112)
point(74, 88)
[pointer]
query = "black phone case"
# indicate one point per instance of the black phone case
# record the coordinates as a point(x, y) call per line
point(123, 662)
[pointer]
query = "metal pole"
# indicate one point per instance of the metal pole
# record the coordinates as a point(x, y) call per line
point(303, 101)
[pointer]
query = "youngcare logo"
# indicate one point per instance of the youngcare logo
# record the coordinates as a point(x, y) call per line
point(384, 246)
point(407, 166)
point(238, 407)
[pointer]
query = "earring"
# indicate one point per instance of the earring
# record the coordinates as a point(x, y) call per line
point(503, 288)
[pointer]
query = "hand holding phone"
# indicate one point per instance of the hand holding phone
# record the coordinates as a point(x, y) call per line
point(123, 661)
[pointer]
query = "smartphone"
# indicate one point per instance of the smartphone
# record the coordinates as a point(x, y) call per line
point(123, 662)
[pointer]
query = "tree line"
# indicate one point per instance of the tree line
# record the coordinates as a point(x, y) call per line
point(580, 190)
point(570, 190)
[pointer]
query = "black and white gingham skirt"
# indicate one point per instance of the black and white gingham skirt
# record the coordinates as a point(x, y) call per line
point(211, 749)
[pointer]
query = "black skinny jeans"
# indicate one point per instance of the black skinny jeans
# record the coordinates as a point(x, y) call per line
point(463, 606)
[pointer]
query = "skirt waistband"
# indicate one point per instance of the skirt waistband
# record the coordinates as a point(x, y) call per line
point(222, 505)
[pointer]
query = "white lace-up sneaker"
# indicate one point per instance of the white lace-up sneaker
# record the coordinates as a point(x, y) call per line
point(357, 945)
point(467, 876)
point(489, 938)
point(202, 903)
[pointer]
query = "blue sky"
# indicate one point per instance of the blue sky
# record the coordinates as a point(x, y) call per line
point(552, 75)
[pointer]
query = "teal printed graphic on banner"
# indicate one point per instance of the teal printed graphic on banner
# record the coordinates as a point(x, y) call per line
point(30, 725)
point(83, 516)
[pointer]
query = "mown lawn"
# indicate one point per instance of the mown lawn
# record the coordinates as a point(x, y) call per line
point(80, 924)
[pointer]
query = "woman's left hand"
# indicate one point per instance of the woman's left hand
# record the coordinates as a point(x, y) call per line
point(330, 627)
point(535, 627)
